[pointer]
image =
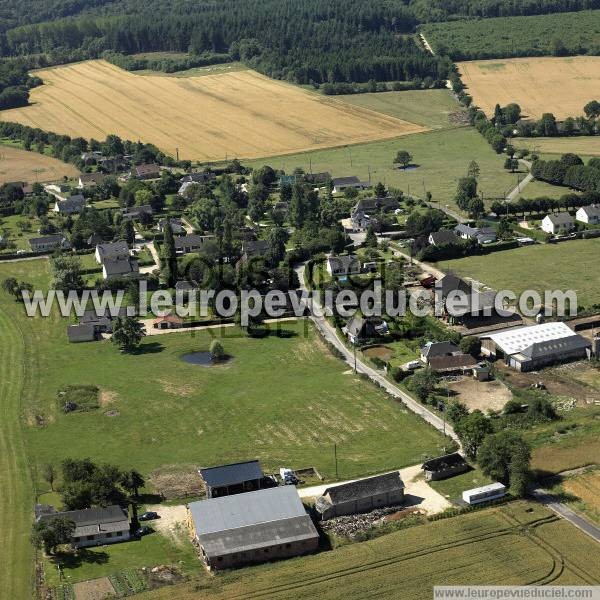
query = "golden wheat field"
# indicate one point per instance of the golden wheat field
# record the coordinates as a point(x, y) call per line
point(242, 114)
point(20, 165)
point(562, 86)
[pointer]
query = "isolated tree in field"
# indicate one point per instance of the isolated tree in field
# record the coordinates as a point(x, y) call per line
point(10, 285)
point(49, 475)
point(169, 256)
point(66, 273)
point(127, 333)
point(371, 237)
point(472, 431)
point(217, 352)
point(132, 481)
point(471, 345)
point(505, 456)
point(473, 171)
point(592, 109)
point(52, 533)
point(403, 158)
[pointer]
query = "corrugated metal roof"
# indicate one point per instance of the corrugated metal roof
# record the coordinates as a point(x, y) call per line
point(231, 474)
point(242, 510)
point(258, 536)
point(516, 340)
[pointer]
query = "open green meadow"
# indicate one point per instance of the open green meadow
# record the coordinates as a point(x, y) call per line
point(442, 157)
point(539, 189)
point(430, 108)
point(517, 544)
point(565, 266)
point(584, 146)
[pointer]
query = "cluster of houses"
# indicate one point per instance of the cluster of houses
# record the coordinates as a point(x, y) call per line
point(562, 223)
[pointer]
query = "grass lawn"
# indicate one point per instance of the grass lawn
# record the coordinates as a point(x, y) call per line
point(16, 235)
point(538, 189)
point(430, 108)
point(584, 145)
point(539, 267)
point(151, 550)
point(453, 487)
point(443, 157)
point(487, 547)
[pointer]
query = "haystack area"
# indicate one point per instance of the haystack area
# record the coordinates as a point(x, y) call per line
point(237, 114)
point(562, 86)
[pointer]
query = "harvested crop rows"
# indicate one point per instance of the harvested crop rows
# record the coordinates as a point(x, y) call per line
point(20, 165)
point(562, 86)
point(240, 114)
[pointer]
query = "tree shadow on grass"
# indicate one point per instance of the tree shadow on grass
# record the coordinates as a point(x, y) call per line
point(149, 348)
point(72, 560)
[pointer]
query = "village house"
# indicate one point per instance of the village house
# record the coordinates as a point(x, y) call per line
point(341, 184)
point(536, 346)
point(558, 223)
point(111, 250)
point(93, 526)
point(483, 235)
point(194, 178)
point(589, 214)
point(113, 268)
point(254, 527)
point(82, 332)
point(444, 467)
point(253, 249)
point(317, 179)
point(231, 479)
point(176, 225)
point(438, 349)
point(363, 495)
point(185, 244)
point(60, 191)
point(364, 210)
point(135, 212)
point(360, 328)
point(168, 322)
point(341, 266)
point(90, 180)
point(145, 171)
point(71, 205)
point(49, 242)
point(442, 237)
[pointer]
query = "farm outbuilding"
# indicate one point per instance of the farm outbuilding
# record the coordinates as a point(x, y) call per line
point(235, 478)
point(444, 467)
point(250, 528)
point(363, 495)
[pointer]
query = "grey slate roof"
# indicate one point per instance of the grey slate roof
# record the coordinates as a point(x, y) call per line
point(450, 283)
point(113, 250)
point(352, 180)
point(443, 462)
point(433, 349)
point(72, 204)
point(84, 332)
point(365, 488)
point(56, 239)
point(443, 236)
point(255, 248)
point(450, 363)
point(563, 218)
point(115, 267)
point(344, 262)
point(91, 521)
point(231, 474)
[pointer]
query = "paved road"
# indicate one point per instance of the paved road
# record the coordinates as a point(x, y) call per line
point(547, 499)
point(330, 335)
point(528, 179)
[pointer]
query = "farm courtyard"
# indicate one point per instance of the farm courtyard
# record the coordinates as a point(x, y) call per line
point(561, 86)
point(234, 114)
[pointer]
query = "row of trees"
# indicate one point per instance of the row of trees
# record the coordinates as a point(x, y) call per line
point(15, 83)
point(543, 205)
point(569, 171)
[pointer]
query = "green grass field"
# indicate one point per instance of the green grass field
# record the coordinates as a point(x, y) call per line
point(443, 157)
point(430, 108)
point(583, 146)
point(539, 267)
point(517, 544)
point(538, 189)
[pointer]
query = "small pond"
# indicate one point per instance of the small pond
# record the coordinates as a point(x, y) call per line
point(198, 358)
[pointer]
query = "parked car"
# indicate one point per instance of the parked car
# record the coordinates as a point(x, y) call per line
point(148, 516)
point(145, 530)
point(288, 477)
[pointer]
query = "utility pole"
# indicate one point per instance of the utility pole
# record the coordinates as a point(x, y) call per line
point(336, 460)
point(350, 151)
point(354, 348)
point(177, 153)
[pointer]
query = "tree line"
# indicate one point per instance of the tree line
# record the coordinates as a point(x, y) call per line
point(569, 171)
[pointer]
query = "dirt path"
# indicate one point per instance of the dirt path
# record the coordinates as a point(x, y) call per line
point(513, 195)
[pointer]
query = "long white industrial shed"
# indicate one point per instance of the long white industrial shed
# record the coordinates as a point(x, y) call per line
point(528, 348)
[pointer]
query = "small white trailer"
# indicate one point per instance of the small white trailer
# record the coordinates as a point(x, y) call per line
point(493, 491)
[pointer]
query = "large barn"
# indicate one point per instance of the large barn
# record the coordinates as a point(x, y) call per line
point(537, 346)
point(253, 527)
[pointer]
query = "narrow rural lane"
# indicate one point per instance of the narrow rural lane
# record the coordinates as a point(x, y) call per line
point(547, 499)
point(513, 195)
point(330, 335)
